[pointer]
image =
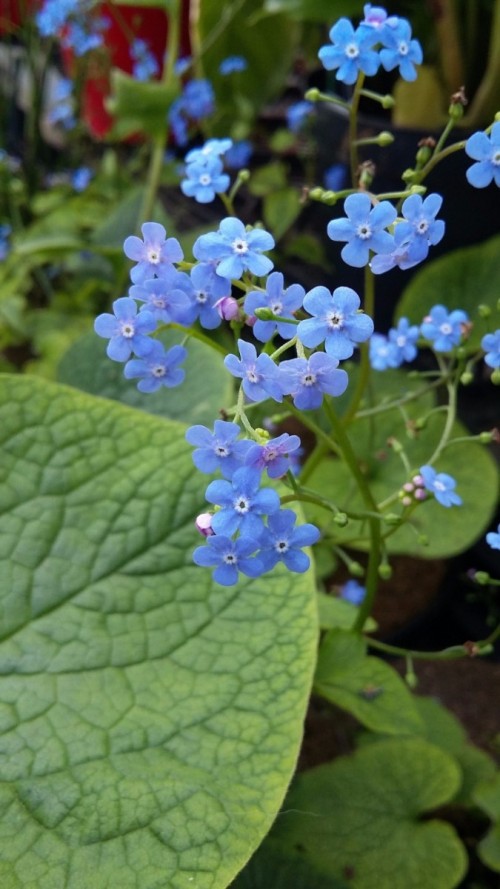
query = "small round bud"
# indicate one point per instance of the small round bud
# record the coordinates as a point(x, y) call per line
point(461, 352)
point(411, 679)
point(495, 377)
point(482, 578)
point(340, 519)
point(392, 519)
point(423, 540)
point(424, 154)
point(263, 313)
point(420, 423)
point(385, 138)
point(420, 494)
point(406, 501)
point(408, 175)
point(203, 524)
point(484, 311)
point(456, 112)
point(408, 487)
point(366, 173)
point(329, 197)
point(418, 480)
point(316, 194)
point(467, 378)
point(312, 95)
point(228, 308)
point(356, 569)
point(485, 437)
point(387, 101)
point(384, 571)
point(243, 175)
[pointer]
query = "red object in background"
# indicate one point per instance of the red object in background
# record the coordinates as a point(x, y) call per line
point(126, 24)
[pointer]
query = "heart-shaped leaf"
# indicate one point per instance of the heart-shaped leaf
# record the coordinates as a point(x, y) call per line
point(360, 817)
point(487, 796)
point(149, 720)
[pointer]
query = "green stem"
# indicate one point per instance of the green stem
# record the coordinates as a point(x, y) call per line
point(364, 489)
point(158, 147)
point(353, 124)
point(484, 647)
point(195, 335)
point(364, 367)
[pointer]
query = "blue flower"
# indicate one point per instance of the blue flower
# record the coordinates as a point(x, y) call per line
point(307, 380)
point(204, 180)
point(52, 17)
point(493, 538)
point(235, 249)
point(400, 50)
point(383, 354)
point(335, 177)
point(5, 231)
point(126, 330)
point(242, 503)
point(336, 321)
point(274, 455)
point(420, 229)
point(297, 113)
point(441, 485)
point(169, 298)
point(210, 149)
point(351, 52)
point(198, 99)
point(209, 288)
point(352, 592)
point(364, 229)
point(281, 542)
point(218, 450)
point(159, 368)
point(486, 150)
point(260, 375)
point(232, 64)
point(238, 155)
point(491, 345)
point(78, 38)
point(228, 557)
point(60, 103)
point(81, 177)
point(281, 301)
point(404, 337)
point(154, 255)
point(145, 65)
point(376, 17)
point(444, 329)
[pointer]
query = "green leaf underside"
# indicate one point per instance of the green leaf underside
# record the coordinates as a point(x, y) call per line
point(149, 719)
point(464, 279)
point(361, 815)
point(366, 687)
point(468, 462)
point(207, 386)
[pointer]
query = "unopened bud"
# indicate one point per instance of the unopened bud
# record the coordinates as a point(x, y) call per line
point(356, 569)
point(385, 138)
point(387, 101)
point(495, 377)
point(203, 524)
point(423, 155)
point(484, 311)
point(467, 378)
point(420, 423)
point(482, 578)
point(264, 313)
point(243, 175)
point(312, 95)
point(384, 571)
point(423, 540)
point(487, 436)
point(366, 173)
point(411, 679)
point(408, 175)
point(340, 519)
point(228, 308)
point(458, 101)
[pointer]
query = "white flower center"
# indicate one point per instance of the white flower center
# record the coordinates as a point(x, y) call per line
point(159, 370)
point(205, 179)
point(351, 51)
point(308, 379)
point(127, 329)
point(230, 559)
point(201, 296)
point(281, 546)
point(364, 231)
point(403, 48)
point(446, 329)
point(252, 375)
point(401, 341)
point(240, 246)
point(270, 454)
point(277, 308)
point(159, 302)
point(495, 159)
point(221, 450)
point(153, 255)
point(439, 486)
point(242, 505)
point(422, 226)
point(334, 320)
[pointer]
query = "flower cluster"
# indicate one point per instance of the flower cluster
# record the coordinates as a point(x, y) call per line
point(195, 104)
point(237, 536)
point(70, 20)
point(428, 481)
point(204, 171)
point(144, 65)
point(378, 40)
point(441, 329)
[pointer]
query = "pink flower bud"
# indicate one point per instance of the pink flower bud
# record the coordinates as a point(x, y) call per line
point(406, 501)
point(418, 481)
point(204, 524)
point(420, 494)
point(408, 487)
point(227, 308)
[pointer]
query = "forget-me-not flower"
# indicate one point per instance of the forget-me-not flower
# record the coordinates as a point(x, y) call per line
point(491, 345)
point(159, 368)
point(228, 557)
point(352, 51)
point(126, 330)
point(400, 50)
point(353, 592)
point(336, 321)
point(493, 538)
point(282, 542)
point(364, 229)
point(383, 354)
point(242, 503)
point(404, 337)
point(308, 379)
point(169, 298)
point(220, 449)
point(231, 64)
point(204, 179)
point(154, 255)
point(274, 455)
point(444, 329)
point(281, 301)
point(486, 151)
point(260, 375)
point(235, 249)
point(209, 288)
point(441, 485)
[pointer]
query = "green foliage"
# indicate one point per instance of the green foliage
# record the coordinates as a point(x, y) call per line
point(150, 720)
point(362, 816)
point(487, 796)
point(467, 461)
point(366, 687)
point(335, 613)
point(87, 367)
point(463, 279)
point(324, 11)
point(139, 106)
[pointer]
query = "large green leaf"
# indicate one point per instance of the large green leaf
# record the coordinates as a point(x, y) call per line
point(206, 389)
point(324, 11)
point(149, 720)
point(463, 279)
point(487, 796)
point(365, 686)
point(361, 816)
